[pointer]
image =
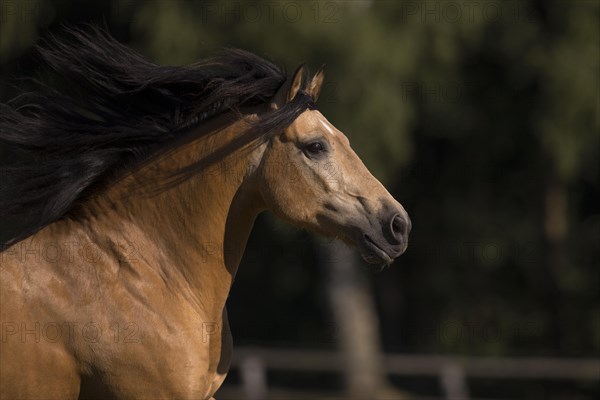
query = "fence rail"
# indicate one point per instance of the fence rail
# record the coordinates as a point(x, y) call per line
point(418, 365)
point(253, 364)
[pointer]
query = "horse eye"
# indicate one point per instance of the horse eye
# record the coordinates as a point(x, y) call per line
point(315, 148)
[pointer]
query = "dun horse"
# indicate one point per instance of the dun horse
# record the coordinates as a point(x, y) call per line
point(137, 190)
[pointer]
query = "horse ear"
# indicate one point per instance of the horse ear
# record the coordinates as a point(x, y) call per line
point(296, 83)
point(316, 83)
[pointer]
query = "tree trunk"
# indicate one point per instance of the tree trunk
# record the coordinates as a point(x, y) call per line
point(357, 324)
point(555, 232)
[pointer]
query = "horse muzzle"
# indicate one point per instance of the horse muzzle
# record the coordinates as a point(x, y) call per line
point(383, 244)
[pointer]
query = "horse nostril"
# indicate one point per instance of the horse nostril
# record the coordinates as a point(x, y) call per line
point(399, 227)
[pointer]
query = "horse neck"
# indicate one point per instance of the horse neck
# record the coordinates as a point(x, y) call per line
point(193, 234)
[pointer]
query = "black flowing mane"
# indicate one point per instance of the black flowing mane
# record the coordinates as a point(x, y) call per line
point(117, 110)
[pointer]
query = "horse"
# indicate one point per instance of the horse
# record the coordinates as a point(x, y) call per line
point(137, 188)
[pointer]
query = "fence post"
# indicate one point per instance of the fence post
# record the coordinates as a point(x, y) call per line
point(254, 377)
point(453, 382)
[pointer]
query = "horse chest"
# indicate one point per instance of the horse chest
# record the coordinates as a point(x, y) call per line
point(179, 352)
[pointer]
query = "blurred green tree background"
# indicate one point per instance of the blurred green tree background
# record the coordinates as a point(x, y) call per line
point(482, 118)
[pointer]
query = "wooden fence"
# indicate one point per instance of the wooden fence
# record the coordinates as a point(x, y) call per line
point(452, 371)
